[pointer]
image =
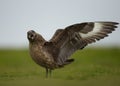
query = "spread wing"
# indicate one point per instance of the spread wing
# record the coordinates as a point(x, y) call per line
point(57, 33)
point(77, 36)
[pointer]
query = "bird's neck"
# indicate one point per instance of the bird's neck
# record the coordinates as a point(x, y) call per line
point(40, 39)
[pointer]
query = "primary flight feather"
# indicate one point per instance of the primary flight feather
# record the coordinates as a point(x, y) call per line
point(56, 52)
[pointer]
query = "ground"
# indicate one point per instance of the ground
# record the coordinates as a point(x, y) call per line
point(92, 66)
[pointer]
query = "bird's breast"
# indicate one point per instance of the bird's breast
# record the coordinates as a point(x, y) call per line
point(42, 57)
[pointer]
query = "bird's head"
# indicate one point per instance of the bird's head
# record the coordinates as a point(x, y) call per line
point(31, 35)
point(34, 37)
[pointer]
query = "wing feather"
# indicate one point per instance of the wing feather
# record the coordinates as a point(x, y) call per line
point(56, 34)
point(100, 30)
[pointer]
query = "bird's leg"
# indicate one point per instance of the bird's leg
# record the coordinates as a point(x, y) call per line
point(47, 72)
point(50, 71)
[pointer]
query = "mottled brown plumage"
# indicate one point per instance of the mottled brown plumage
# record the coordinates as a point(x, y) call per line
point(56, 52)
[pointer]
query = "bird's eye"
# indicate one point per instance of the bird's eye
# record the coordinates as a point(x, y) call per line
point(32, 36)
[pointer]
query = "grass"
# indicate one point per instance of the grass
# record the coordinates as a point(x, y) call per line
point(93, 67)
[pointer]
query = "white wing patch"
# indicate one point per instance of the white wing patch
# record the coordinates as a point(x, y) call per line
point(96, 29)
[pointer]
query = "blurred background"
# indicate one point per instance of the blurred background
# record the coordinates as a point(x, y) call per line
point(46, 16)
point(97, 65)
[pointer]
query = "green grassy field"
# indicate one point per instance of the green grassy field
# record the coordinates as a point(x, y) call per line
point(92, 67)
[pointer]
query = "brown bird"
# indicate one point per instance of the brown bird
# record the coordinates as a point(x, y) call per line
point(56, 52)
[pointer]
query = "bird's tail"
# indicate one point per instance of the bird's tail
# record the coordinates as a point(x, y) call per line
point(68, 61)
